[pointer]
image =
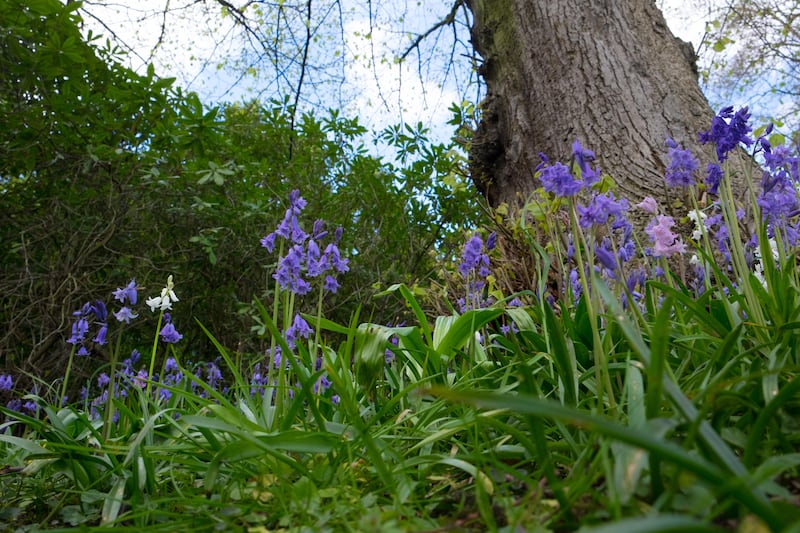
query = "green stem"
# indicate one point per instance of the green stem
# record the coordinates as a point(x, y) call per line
point(317, 332)
point(600, 363)
point(60, 399)
point(704, 236)
point(153, 354)
point(737, 254)
point(109, 414)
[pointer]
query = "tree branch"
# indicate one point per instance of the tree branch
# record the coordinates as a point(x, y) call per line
point(448, 20)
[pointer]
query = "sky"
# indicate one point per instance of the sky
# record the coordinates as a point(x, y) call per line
point(378, 89)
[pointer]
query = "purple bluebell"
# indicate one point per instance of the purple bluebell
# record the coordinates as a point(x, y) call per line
point(164, 394)
point(322, 385)
point(276, 357)
point(316, 263)
point(558, 180)
point(103, 380)
point(79, 330)
point(289, 271)
point(297, 236)
point(778, 200)
point(168, 333)
point(575, 284)
point(582, 157)
point(15, 404)
point(318, 231)
point(213, 374)
point(289, 228)
point(268, 242)
point(716, 225)
point(605, 256)
point(763, 143)
point(125, 314)
point(133, 360)
point(780, 158)
point(600, 208)
point(728, 130)
point(171, 365)
point(635, 281)
point(259, 380)
point(389, 355)
point(491, 241)
point(128, 294)
point(81, 326)
point(141, 378)
point(100, 311)
point(681, 167)
point(298, 329)
point(714, 177)
point(474, 268)
point(296, 202)
point(507, 329)
point(330, 284)
point(102, 333)
point(335, 259)
point(6, 382)
point(472, 255)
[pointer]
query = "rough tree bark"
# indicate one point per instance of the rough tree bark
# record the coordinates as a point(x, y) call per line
point(606, 72)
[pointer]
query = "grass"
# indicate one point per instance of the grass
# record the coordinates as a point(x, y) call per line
point(678, 411)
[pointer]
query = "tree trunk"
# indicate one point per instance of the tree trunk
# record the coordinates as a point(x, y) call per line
point(606, 72)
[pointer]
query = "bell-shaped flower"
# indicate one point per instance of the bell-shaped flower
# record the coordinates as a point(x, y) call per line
point(164, 301)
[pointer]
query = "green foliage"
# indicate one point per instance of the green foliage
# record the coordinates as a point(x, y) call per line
point(677, 410)
point(756, 53)
point(109, 175)
point(692, 444)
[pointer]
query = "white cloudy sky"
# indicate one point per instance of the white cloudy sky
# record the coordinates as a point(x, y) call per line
point(378, 90)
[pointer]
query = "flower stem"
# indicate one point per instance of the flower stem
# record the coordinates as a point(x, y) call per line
point(153, 354)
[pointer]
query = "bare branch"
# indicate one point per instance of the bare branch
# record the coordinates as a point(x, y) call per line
point(448, 20)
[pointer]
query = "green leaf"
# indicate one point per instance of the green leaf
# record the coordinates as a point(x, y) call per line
point(371, 343)
point(563, 354)
point(655, 524)
point(705, 471)
point(453, 332)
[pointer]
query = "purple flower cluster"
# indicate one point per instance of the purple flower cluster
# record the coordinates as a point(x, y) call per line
point(613, 242)
point(682, 166)
point(778, 197)
point(95, 312)
point(728, 130)
point(561, 180)
point(126, 295)
point(168, 332)
point(473, 258)
point(130, 376)
point(601, 207)
point(304, 258)
point(474, 268)
point(299, 329)
point(714, 177)
point(665, 241)
point(558, 180)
